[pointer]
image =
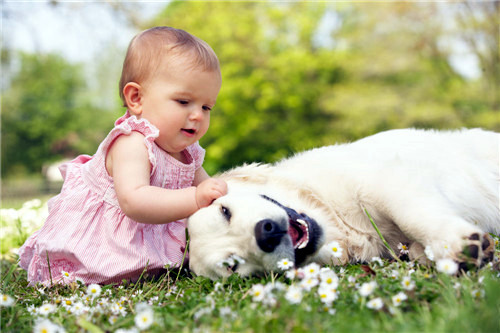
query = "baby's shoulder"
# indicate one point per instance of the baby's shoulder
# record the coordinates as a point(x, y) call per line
point(124, 148)
point(128, 144)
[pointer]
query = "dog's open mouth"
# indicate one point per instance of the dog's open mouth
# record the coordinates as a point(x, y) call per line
point(299, 233)
point(305, 233)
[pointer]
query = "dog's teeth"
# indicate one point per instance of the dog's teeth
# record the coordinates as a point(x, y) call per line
point(302, 222)
point(304, 243)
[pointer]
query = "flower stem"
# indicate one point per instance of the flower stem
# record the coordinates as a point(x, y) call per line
point(393, 254)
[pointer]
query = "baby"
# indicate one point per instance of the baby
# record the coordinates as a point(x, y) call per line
point(120, 211)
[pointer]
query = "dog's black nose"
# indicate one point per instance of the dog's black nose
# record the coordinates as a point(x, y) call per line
point(268, 234)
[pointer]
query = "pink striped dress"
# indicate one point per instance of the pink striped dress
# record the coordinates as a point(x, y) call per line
point(87, 236)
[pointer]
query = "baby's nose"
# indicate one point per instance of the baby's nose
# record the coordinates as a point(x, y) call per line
point(196, 114)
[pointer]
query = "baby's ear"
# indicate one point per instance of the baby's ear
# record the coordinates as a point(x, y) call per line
point(133, 98)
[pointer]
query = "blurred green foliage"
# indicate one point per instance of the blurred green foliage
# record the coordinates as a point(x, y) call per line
point(295, 75)
point(37, 111)
point(44, 117)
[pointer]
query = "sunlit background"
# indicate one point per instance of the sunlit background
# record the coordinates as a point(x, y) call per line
point(295, 75)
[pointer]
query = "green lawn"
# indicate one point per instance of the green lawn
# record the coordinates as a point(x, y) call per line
point(379, 296)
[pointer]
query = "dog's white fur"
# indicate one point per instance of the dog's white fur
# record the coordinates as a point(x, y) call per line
point(422, 188)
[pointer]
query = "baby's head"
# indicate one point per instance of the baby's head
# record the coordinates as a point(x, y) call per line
point(156, 47)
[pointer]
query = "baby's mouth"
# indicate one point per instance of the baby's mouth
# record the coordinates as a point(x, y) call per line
point(189, 131)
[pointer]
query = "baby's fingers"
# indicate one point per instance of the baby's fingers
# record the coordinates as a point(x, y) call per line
point(210, 190)
point(218, 190)
point(220, 187)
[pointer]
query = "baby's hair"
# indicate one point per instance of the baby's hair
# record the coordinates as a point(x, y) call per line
point(150, 48)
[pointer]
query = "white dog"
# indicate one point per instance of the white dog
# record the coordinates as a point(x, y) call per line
point(424, 189)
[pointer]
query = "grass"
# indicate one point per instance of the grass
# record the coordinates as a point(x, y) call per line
point(180, 302)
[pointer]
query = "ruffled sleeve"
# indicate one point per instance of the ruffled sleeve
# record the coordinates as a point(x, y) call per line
point(125, 125)
point(197, 153)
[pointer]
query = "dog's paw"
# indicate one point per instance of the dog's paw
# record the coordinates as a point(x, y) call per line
point(478, 250)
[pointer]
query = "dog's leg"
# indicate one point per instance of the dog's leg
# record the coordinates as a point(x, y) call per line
point(432, 222)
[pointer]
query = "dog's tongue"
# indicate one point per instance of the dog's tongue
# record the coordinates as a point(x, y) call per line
point(294, 234)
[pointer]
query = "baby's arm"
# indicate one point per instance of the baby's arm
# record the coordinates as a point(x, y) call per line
point(128, 164)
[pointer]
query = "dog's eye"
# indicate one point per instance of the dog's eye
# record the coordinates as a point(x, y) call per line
point(226, 212)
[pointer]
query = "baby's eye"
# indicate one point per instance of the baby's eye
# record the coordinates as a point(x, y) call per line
point(207, 108)
point(182, 102)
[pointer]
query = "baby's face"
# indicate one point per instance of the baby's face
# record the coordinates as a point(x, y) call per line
point(178, 100)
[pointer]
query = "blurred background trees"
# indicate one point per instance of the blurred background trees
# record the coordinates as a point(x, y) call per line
point(295, 75)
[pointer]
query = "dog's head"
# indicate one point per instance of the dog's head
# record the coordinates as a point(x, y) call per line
point(248, 233)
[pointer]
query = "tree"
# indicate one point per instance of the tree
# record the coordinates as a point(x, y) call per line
point(379, 66)
point(41, 114)
point(295, 75)
point(274, 76)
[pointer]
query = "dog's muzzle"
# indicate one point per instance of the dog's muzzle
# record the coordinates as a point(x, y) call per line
point(304, 232)
point(268, 234)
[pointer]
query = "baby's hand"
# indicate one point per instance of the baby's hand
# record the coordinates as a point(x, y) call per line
point(209, 190)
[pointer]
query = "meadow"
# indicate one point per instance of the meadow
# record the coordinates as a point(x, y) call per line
point(378, 296)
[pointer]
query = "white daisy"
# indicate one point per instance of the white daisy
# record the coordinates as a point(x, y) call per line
point(329, 278)
point(375, 303)
point(94, 290)
point(403, 248)
point(311, 270)
point(335, 249)
point(367, 288)
point(308, 283)
point(118, 309)
point(447, 266)
point(112, 320)
point(32, 309)
point(408, 283)
point(68, 302)
point(65, 274)
point(144, 319)
point(326, 295)
point(78, 308)
point(477, 293)
point(394, 274)
point(171, 291)
point(6, 300)
point(257, 292)
point(46, 309)
point(46, 326)
point(291, 274)
point(294, 294)
point(285, 264)
point(398, 298)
